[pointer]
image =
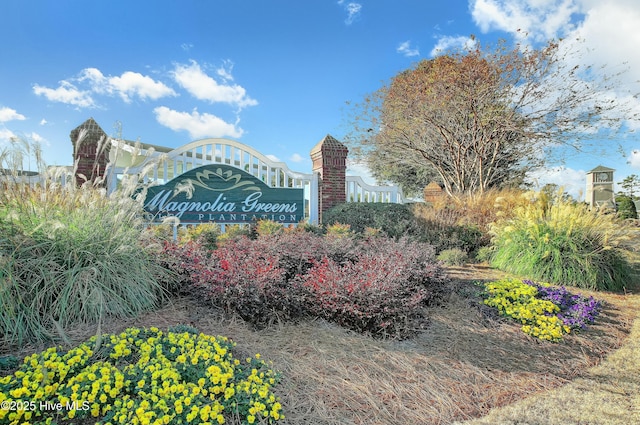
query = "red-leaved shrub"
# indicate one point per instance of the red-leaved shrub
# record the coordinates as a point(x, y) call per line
point(382, 293)
point(182, 261)
point(374, 285)
point(417, 260)
point(244, 278)
point(297, 251)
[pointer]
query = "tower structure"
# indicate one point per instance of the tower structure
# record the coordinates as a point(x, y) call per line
point(599, 192)
point(329, 159)
point(91, 151)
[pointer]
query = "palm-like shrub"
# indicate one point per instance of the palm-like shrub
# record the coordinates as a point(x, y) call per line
point(69, 254)
point(563, 242)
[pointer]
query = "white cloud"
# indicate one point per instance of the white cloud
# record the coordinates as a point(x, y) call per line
point(352, 9)
point(133, 83)
point(451, 42)
point(6, 135)
point(538, 19)
point(225, 71)
point(201, 86)
point(66, 93)
point(595, 33)
point(43, 121)
point(97, 81)
point(37, 138)
point(406, 49)
point(608, 29)
point(573, 181)
point(8, 114)
point(127, 85)
point(198, 125)
point(634, 158)
point(273, 158)
point(296, 157)
point(610, 33)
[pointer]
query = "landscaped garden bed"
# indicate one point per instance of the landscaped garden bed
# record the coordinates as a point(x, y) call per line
point(350, 328)
point(467, 361)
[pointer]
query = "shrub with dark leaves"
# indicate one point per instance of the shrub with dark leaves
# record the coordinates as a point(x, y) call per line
point(297, 251)
point(374, 285)
point(182, 261)
point(243, 277)
point(382, 293)
point(416, 260)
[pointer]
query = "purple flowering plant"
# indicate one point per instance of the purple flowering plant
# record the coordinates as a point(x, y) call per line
point(576, 311)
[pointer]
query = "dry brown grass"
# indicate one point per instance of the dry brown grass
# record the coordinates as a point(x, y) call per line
point(465, 364)
point(472, 209)
point(608, 394)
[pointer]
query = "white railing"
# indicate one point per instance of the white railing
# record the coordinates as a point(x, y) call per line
point(359, 191)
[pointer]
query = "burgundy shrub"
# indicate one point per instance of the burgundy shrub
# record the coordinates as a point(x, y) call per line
point(376, 285)
point(243, 277)
point(382, 293)
point(182, 261)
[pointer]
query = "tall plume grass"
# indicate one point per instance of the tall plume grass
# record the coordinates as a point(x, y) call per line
point(464, 222)
point(68, 253)
point(556, 240)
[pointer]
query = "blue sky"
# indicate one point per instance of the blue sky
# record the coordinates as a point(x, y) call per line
point(275, 75)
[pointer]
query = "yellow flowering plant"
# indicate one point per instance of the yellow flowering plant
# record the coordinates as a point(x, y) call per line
point(516, 299)
point(142, 376)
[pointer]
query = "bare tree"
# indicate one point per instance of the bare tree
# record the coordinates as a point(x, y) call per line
point(482, 118)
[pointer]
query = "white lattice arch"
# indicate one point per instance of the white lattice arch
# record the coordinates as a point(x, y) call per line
point(171, 164)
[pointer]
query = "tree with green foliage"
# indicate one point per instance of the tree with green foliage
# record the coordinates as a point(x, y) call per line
point(554, 192)
point(482, 118)
point(631, 185)
point(626, 207)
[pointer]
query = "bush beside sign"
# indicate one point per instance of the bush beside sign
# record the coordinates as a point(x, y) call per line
point(224, 194)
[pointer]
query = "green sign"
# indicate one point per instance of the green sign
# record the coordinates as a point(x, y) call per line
point(224, 194)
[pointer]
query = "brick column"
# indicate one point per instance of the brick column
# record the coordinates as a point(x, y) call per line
point(329, 161)
point(91, 162)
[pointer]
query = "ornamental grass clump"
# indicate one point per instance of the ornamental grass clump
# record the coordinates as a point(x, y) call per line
point(546, 312)
point(69, 254)
point(563, 242)
point(142, 376)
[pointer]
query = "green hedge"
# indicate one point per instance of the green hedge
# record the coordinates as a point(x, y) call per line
point(626, 207)
point(395, 220)
point(400, 220)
